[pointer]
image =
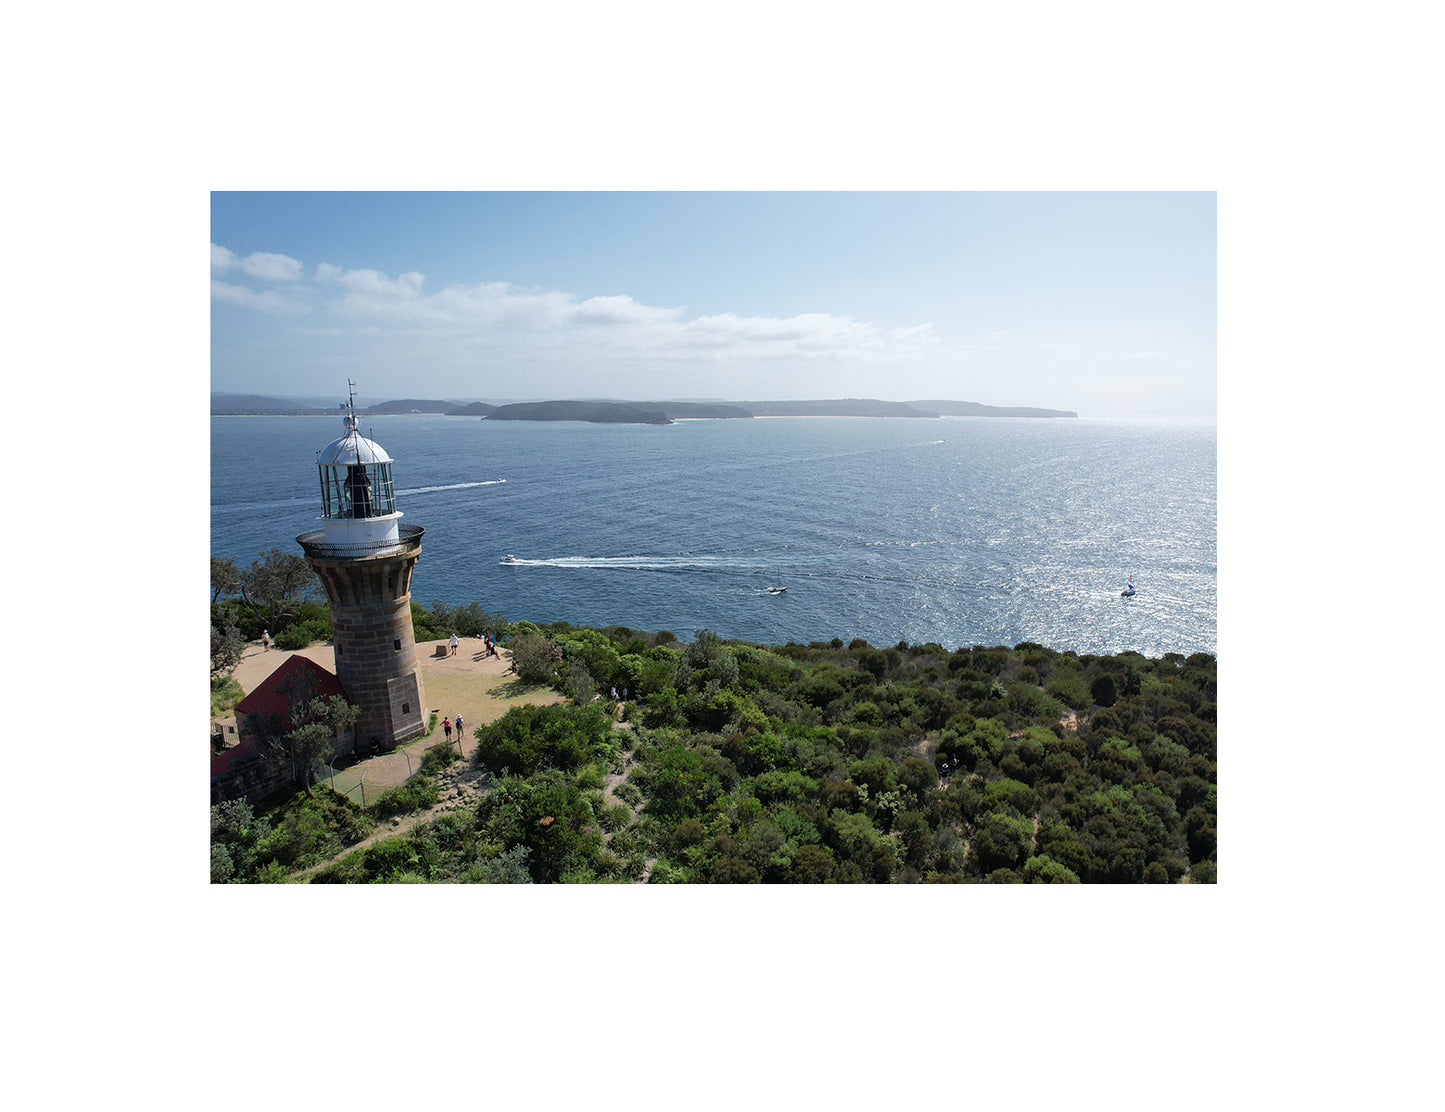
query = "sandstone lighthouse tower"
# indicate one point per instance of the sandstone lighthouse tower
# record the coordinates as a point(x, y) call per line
point(365, 557)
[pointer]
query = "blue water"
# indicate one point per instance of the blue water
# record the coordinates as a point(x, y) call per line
point(963, 531)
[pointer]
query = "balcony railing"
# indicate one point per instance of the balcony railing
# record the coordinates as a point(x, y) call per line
point(316, 544)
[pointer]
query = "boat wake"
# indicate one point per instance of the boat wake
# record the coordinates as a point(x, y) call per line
point(449, 486)
point(684, 562)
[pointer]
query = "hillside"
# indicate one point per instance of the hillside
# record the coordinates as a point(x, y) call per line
point(227, 405)
point(630, 413)
point(726, 762)
point(836, 407)
point(975, 409)
point(412, 405)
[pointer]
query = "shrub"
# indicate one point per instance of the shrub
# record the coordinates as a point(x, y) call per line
point(629, 793)
point(536, 655)
point(529, 738)
point(439, 756)
point(1043, 869)
point(417, 794)
point(225, 694)
point(294, 637)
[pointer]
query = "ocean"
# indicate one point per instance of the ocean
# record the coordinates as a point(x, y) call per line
point(960, 531)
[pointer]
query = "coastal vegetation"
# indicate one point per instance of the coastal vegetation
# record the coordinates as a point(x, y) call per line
point(718, 761)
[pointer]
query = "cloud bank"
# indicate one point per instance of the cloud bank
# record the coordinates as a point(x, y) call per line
point(549, 323)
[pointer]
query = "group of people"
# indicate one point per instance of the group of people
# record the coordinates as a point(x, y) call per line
point(447, 728)
point(489, 650)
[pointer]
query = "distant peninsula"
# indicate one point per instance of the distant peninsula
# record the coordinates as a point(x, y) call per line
point(634, 413)
point(620, 413)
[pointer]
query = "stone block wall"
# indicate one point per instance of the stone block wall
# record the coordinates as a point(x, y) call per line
point(375, 646)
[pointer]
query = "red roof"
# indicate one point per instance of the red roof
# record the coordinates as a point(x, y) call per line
point(270, 695)
point(221, 762)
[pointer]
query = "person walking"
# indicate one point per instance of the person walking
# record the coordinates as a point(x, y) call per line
point(454, 644)
point(459, 729)
point(447, 726)
point(266, 640)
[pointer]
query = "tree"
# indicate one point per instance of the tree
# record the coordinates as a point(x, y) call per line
point(274, 586)
point(1001, 841)
point(811, 865)
point(1104, 690)
point(235, 830)
point(1043, 869)
point(535, 655)
point(227, 644)
point(225, 578)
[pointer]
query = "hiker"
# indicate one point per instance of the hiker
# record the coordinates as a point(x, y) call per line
point(454, 644)
point(447, 726)
point(266, 640)
point(459, 727)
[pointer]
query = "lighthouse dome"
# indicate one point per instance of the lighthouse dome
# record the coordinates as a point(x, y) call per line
point(351, 449)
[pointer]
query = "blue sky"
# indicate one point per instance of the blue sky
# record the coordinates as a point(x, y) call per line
point(1102, 302)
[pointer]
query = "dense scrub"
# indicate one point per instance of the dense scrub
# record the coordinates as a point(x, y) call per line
point(739, 763)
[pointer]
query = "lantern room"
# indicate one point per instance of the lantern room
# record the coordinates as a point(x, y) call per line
point(358, 502)
point(355, 477)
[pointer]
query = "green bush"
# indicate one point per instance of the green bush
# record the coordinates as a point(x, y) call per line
point(530, 738)
point(294, 637)
point(437, 757)
point(417, 794)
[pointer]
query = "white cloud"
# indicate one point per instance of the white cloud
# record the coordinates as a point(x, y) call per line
point(264, 301)
point(262, 265)
point(918, 340)
point(553, 323)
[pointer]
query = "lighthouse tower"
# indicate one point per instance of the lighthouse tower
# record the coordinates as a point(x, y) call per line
point(364, 557)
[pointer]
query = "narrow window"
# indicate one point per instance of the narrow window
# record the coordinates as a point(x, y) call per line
point(396, 644)
point(405, 708)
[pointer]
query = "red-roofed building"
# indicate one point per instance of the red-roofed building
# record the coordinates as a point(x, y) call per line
point(241, 770)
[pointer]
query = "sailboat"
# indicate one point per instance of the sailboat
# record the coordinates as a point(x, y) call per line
point(1128, 592)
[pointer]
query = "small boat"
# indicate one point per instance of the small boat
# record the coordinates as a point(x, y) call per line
point(1128, 592)
point(777, 590)
point(508, 559)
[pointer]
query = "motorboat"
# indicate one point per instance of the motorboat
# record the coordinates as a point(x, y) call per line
point(509, 559)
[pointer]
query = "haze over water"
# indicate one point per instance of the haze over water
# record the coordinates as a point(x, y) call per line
point(961, 531)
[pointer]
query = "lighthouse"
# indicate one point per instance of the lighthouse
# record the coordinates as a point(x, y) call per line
point(364, 557)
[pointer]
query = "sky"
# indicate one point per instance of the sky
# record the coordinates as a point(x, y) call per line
point(1097, 302)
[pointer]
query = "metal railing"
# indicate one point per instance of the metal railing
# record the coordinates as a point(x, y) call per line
point(316, 544)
